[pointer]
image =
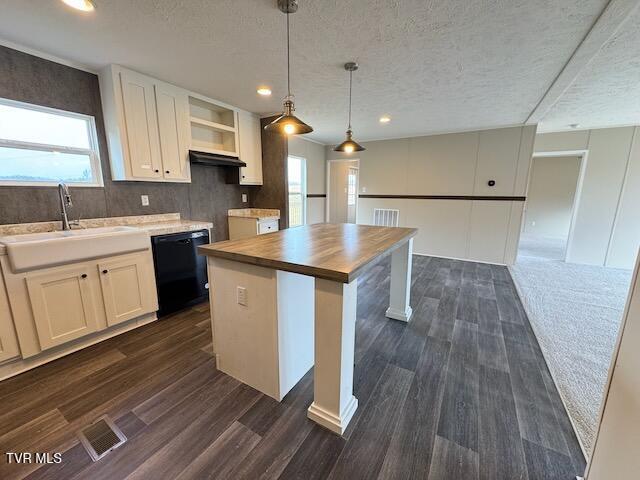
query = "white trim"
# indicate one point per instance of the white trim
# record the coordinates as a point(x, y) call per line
point(633, 288)
point(327, 205)
point(46, 56)
point(93, 152)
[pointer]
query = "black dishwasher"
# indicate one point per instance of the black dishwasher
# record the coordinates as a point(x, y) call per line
point(181, 274)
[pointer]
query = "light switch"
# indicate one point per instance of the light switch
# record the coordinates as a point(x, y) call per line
point(145, 200)
point(242, 296)
point(244, 198)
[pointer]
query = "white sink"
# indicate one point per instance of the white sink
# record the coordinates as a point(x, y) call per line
point(47, 249)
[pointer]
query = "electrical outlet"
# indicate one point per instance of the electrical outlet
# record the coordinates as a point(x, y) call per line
point(364, 189)
point(242, 296)
point(145, 200)
point(244, 198)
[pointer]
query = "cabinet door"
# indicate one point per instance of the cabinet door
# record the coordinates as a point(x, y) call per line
point(62, 301)
point(142, 125)
point(8, 340)
point(249, 133)
point(127, 288)
point(173, 125)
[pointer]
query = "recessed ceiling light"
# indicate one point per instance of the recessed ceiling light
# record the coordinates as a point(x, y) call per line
point(264, 91)
point(82, 5)
point(385, 119)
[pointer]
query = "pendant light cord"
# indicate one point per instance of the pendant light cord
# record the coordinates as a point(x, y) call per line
point(350, 85)
point(288, 60)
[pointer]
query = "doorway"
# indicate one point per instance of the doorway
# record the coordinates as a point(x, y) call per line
point(551, 200)
point(342, 188)
point(297, 187)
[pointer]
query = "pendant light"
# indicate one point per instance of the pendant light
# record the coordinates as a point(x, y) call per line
point(288, 123)
point(349, 145)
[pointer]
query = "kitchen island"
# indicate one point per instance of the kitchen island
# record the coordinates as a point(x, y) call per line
point(286, 301)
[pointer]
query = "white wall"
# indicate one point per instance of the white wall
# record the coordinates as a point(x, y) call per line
point(615, 452)
point(552, 187)
point(458, 164)
point(314, 153)
point(606, 230)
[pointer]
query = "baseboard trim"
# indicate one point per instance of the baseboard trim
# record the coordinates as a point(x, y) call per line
point(403, 316)
point(330, 421)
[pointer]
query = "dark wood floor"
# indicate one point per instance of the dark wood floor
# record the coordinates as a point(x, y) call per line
point(461, 392)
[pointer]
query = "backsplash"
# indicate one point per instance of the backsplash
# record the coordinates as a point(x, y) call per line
point(34, 80)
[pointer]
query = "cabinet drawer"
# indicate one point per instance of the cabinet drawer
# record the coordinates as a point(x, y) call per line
point(267, 227)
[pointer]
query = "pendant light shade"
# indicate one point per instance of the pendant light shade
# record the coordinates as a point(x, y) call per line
point(349, 145)
point(288, 123)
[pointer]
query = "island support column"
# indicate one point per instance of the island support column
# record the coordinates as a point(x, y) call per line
point(335, 327)
point(399, 308)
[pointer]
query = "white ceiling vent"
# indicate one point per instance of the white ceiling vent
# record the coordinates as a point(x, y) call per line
point(386, 217)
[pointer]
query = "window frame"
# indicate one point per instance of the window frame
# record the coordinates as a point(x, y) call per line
point(93, 151)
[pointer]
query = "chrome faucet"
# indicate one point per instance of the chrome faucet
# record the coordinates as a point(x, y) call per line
point(65, 201)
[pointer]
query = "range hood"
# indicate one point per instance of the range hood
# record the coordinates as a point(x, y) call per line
point(215, 159)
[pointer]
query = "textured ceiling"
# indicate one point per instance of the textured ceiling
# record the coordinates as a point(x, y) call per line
point(432, 65)
point(607, 91)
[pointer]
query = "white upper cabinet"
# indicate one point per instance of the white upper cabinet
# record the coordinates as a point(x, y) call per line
point(147, 127)
point(173, 125)
point(151, 126)
point(250, 148)
point(140, 115)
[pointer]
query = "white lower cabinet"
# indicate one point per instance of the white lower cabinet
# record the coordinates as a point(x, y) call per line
point(57, 305)
point(125, 289)
point(63, 304)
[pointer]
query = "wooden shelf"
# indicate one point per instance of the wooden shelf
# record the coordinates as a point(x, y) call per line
point(215, 151)
point(214, 125)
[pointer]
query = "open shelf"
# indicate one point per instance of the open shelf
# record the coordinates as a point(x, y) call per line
point(213, 127)
point(210, 112)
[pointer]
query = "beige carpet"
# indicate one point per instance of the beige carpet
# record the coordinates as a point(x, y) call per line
point(575, 311)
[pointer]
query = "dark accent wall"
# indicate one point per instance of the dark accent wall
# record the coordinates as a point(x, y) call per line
point(31, 79)
point(274, 191)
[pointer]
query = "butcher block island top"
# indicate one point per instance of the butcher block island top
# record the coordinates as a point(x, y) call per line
point(332, 251)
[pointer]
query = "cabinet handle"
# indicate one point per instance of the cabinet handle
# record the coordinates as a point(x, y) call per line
point(168, 171)
point(105, 271)
point(242, 176)
point(157, 171)
point(84, 275)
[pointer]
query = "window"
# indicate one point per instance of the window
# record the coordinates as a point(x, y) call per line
point(351, 186)
point(45, 146)
point(297, 180)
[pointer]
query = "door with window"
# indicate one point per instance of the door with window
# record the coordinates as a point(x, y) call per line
point(297, 183)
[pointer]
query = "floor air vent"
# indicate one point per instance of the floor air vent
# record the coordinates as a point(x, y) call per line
point(101, 437)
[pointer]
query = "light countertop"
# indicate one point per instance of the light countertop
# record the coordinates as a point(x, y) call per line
point(159, 224)
point(257, 213)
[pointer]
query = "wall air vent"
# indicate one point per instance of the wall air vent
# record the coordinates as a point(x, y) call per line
point(386, 217)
